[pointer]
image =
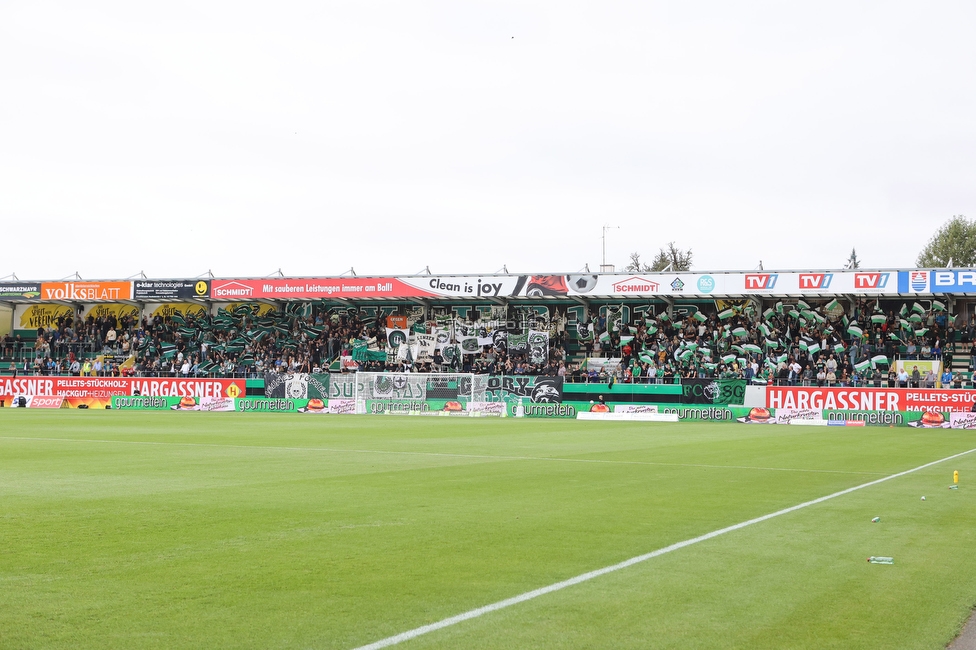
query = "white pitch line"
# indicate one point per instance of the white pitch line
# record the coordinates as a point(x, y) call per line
point(542, 591)
point(439, 454)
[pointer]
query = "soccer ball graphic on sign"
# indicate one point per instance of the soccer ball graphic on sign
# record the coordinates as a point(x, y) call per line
point(582, 283)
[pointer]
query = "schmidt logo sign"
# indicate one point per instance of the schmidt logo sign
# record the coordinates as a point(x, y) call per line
point(636, 285)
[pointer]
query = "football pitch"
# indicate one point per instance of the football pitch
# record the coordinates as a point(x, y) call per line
point(227, 530)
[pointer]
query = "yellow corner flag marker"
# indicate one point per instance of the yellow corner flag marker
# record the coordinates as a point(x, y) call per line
point(955, 477)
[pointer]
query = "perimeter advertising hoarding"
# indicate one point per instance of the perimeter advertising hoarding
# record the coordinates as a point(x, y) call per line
point(20, 290)
point(870, 399)
point(106, 387)
point(313, 288)
point(539, 286)
point(814, 282)
point(937, 281)
point(86, 291)
point(170, 290)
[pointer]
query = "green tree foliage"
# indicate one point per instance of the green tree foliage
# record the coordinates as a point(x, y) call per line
point(678, 259)
point(954, 242)
point(635, 265)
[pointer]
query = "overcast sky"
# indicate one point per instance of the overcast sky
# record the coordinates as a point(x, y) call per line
point(244, 137)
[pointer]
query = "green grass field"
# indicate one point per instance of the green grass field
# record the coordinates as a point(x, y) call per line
point(224, 530)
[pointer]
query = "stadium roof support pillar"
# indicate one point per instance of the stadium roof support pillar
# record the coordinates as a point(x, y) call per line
point(669, 301)
point(852, 300)
point(757, 301)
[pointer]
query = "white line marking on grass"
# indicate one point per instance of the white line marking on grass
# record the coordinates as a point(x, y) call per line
point(440, 454)
point(535, 593)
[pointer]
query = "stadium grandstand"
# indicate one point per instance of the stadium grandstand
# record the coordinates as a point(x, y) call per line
point(909, 327)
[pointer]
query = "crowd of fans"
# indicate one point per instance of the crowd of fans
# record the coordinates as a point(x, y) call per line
point(829, 344)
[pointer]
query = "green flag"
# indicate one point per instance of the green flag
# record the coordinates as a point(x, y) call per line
point(878, 319)
point(862, 366)
point(879, 360)
point(700, 317)
point(726, 314)
point(832, 305)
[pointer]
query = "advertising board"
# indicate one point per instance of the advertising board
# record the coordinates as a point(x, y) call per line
point(869, 399)
point(106, 387)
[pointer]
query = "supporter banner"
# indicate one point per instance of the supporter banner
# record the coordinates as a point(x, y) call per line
point(256, 308)
point(539, 389)
point(167, 310)
point(106, 387)
point(712, 391)
point(425, 347)
point(167, 290)
point(86, 291)
point(111, 309)
point(296, 385)
point(538, 347)
point(20, 290)
point(869, 399)
point(34, 316)
point(601, 364)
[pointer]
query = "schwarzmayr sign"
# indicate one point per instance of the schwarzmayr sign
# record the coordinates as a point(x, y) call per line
point(20, 290)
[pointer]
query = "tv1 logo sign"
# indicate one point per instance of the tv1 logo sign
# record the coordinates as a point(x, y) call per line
point(866, 281)
point(815, 281)
point(761, 281)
